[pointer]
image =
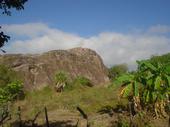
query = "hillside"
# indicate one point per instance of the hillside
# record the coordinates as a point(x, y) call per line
point(113, 106)
point(38, 70)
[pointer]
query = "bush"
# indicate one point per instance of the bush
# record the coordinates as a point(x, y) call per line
point(10, 91)
point(61, 77)
point(7, 94)
point(79, 82)
point(7, 75)
point(61, 80)
point(117, 70)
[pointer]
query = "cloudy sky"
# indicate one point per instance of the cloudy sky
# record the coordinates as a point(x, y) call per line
point(120, 31)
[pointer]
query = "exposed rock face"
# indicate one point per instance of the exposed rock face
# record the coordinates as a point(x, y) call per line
point(39, 70)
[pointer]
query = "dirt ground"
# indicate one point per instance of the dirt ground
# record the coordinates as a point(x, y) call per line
point(66, 118)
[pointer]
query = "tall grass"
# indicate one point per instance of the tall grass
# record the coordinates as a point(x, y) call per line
point(90, 99)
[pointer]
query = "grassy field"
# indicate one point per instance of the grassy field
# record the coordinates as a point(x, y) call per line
point(62, 106)
point(90, 99)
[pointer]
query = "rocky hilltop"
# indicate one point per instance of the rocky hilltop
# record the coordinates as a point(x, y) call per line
point(38, 70)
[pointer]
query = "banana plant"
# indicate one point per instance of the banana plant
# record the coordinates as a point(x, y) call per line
point(153, 82)
point(60, 81)
point(130, 88)
point(156, 81)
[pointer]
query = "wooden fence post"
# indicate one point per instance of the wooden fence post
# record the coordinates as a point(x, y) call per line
point(46, 117)
point(19, 116)
point(84, 116)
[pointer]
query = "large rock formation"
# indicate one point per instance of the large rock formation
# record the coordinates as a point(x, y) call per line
point(39, 70)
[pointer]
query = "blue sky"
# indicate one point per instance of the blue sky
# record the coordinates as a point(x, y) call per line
point(89, 17)
point(120, 31)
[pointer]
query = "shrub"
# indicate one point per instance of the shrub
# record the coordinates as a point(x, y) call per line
point(61, 80)
point(148, 86)
point(117, 70)
point(7, 75)
point(10, 91)
point(7, 94)
point(79, 82)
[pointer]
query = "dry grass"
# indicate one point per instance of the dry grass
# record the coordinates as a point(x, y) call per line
point(90, 100)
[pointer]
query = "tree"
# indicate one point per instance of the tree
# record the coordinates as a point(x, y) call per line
point(117, 70)
point(5, 6)
point(7, 75)
point(163, 59)
point(10, 88)
point(61, 81)
point(7, 95)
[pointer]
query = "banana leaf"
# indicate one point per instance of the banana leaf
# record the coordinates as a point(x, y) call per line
point(168, 80)
point(149, 65)
point(127, 90)
point(157, 83)
point(136, 88)
point(125, 78)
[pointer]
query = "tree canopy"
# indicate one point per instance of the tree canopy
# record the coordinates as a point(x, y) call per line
point(117, 70)
point(5, 6)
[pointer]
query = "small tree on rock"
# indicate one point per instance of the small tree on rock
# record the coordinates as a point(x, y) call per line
point(61, 81)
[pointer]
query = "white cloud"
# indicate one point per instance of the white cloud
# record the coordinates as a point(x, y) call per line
point(160, 29)
point(29, 29)
point(113, 47)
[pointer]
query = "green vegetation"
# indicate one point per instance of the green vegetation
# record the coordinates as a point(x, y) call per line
point(135, 95)
point(117, 70)
point(90, 99)
point(61, 80)
point(10, 92)
point(147, 89)
point(7, 75)
point(79, 82)
point(164, 59)
point(131, 88)
point(153, 82)
point(6, 6)
point(156, 80)
point(10, 88)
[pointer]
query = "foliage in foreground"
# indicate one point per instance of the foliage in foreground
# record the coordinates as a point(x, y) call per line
point(149, 87)
point(10, 88)
point(91, 99)
point(7, 94)
point(7, 75)
point(6, 6)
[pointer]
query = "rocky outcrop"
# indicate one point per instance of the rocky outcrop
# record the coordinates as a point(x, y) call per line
point(38, 70)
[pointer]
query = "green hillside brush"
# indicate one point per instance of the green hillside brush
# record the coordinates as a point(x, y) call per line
point(8, 94)
point(156, 82)
point(153, 82)
point(61, 80)
point(130, 89)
